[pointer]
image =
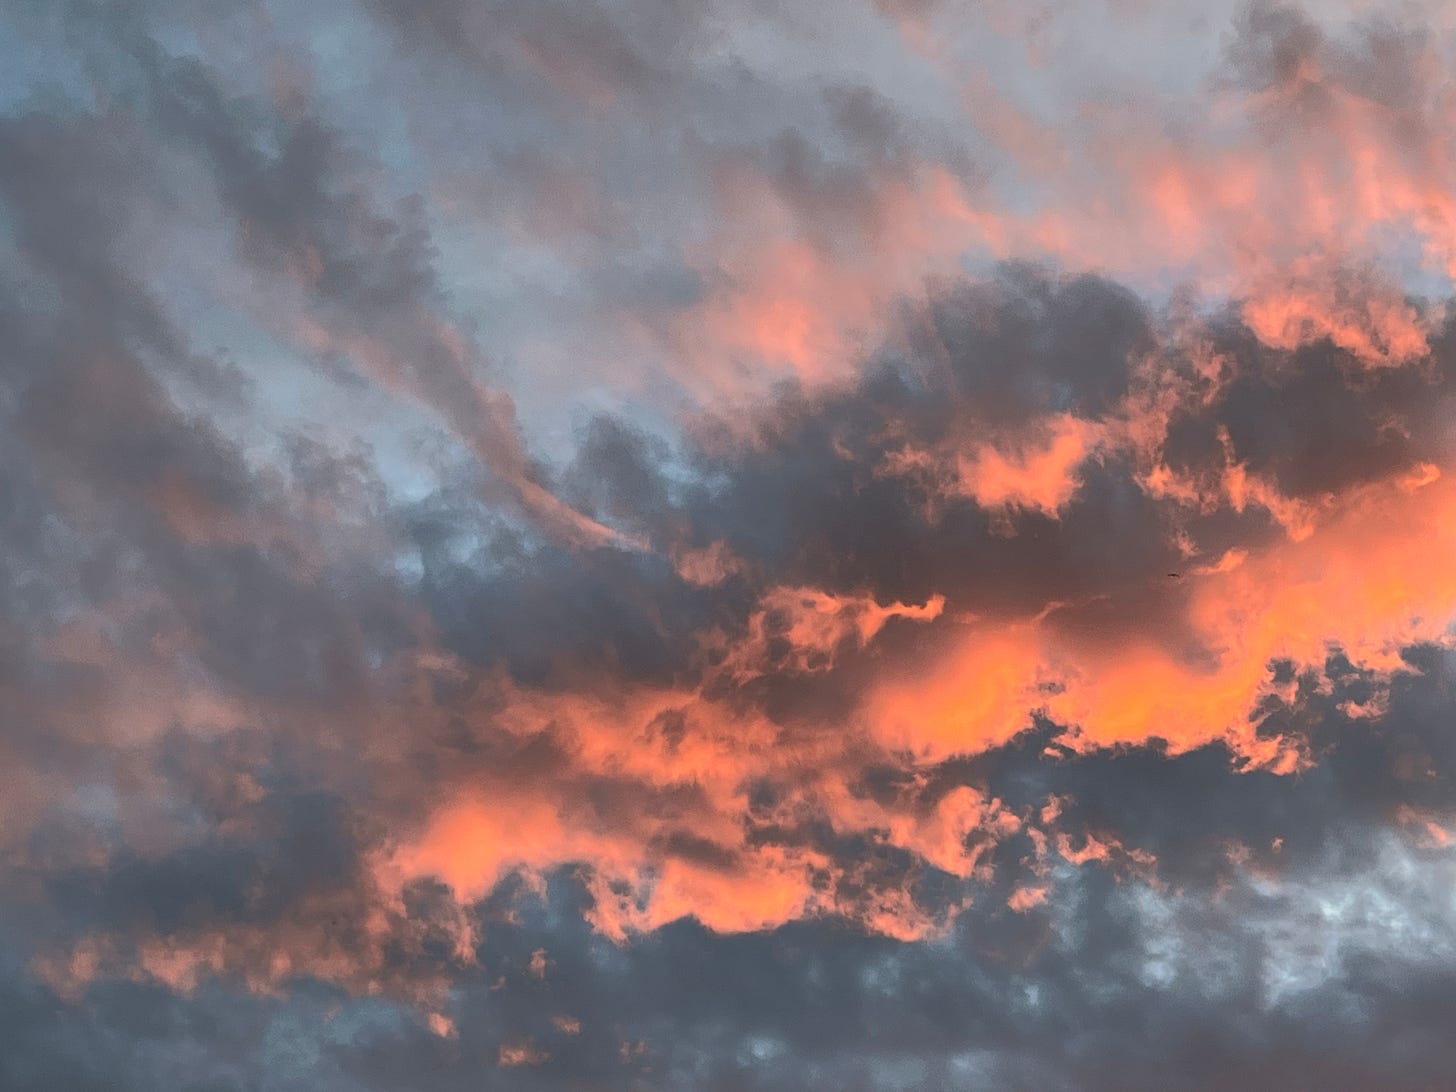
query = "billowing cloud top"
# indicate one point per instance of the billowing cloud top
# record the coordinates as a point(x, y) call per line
point(638, 544)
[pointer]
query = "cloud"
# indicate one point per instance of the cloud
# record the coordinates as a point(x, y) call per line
point(713, 547)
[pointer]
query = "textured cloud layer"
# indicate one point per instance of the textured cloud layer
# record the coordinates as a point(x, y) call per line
point(654, 545)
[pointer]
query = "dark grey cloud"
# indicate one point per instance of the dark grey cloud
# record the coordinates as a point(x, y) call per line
point(602, 47)
point(1081, 992)
point(1311, 421)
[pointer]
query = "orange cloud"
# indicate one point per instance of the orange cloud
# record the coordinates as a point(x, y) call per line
point(1036, 470)
point(801, 630)
point(1368, 578)
point(521, 1052)
point(1361, 577)
point(707, 567)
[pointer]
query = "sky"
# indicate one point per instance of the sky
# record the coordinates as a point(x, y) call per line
point(727, 545)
